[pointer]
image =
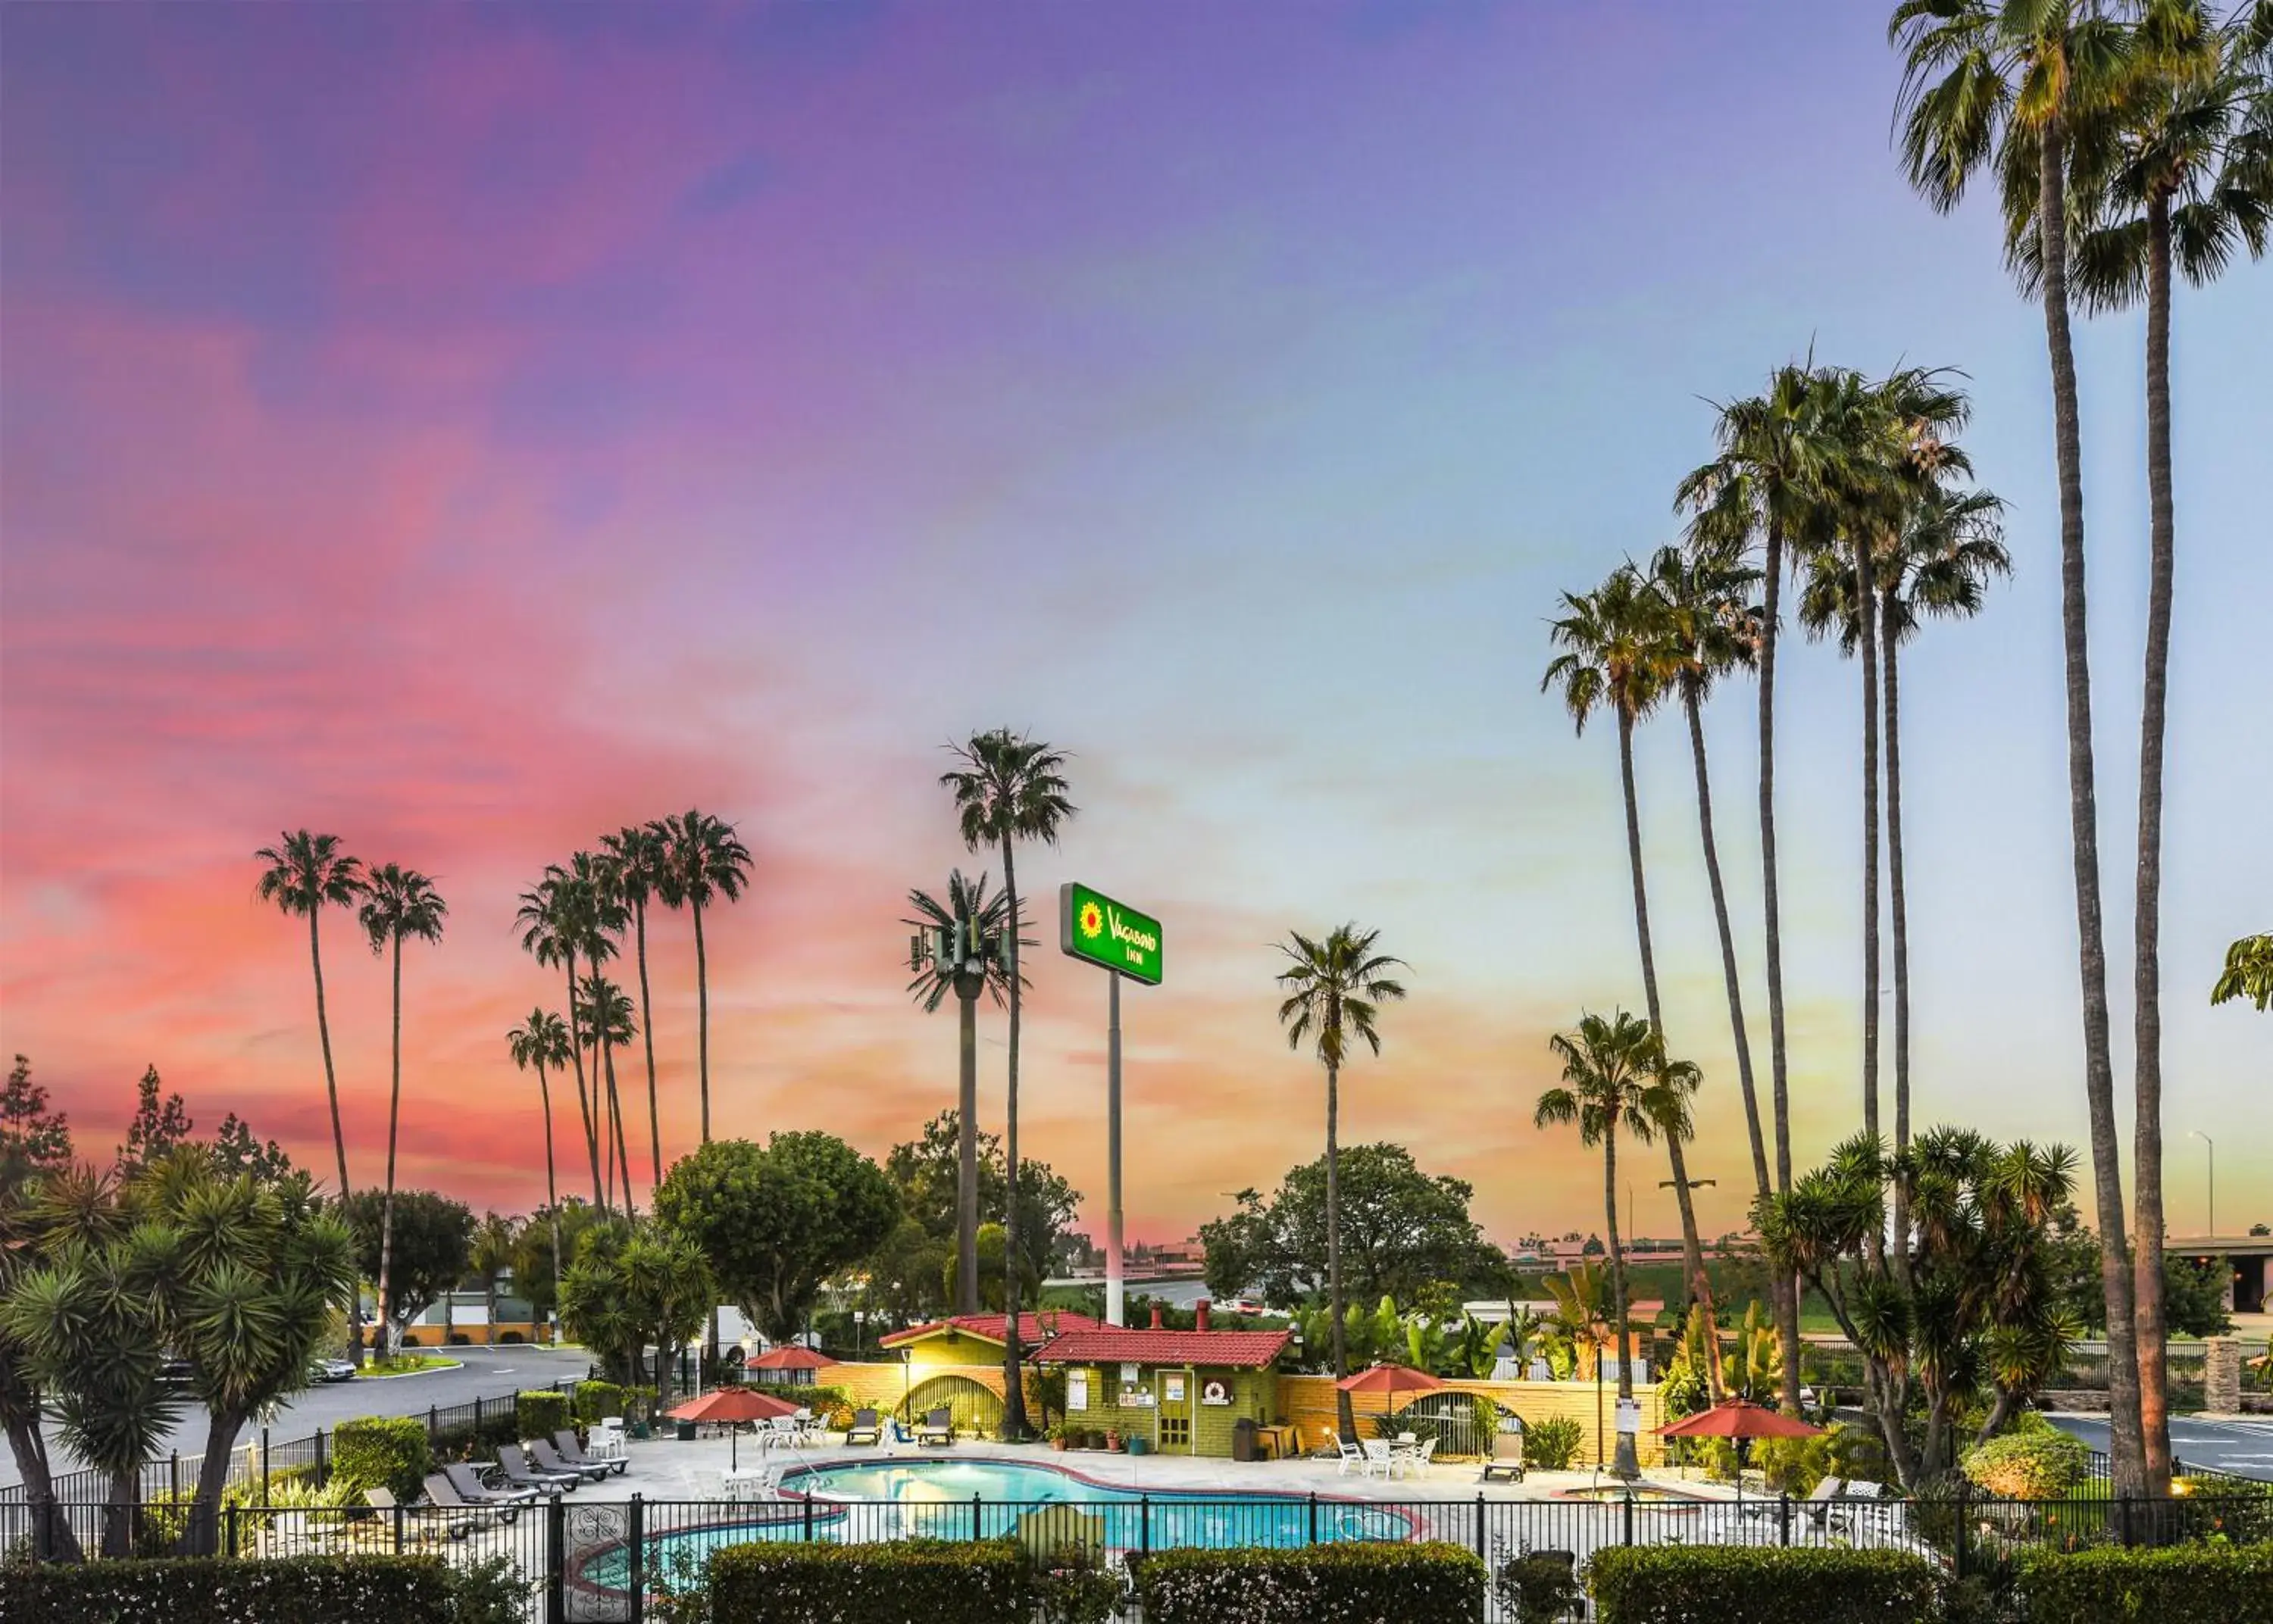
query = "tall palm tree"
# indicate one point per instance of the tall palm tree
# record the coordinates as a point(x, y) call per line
point(567, 916)
point(1707, 627)
point(702, 860)
point(635, 858)
point(2176, 172)
point(397, 903)
point(305, 874)
point(2000, 82)
point(538, 1042)
point(605, 1014)
point(1009, 788)
point(1616, 651)
point(1335, 989)
point(968, 956)
point(489, 1256)
point(1610, 1072)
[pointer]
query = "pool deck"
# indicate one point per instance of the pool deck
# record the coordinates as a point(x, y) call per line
point(667, 1469)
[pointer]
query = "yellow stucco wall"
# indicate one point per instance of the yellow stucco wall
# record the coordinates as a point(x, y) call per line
point(1308, 1403)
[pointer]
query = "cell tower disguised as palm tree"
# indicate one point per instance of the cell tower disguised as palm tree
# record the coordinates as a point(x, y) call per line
point(1009, 788)
point(962, 950)
point(397, 903)
point(1334, 991)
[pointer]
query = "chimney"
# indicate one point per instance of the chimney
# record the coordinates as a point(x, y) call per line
point(1156, 1316)
point(1200, 1314)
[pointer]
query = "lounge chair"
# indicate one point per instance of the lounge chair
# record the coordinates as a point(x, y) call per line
point(864, 1429)
point(572, 1453)
point(1816, 1505)
point(1350, 1454)
point(418, 1527)
point(1506, 1458)
point(936, 1427)
point(461, 1476)
point(444, 1495)
point(518, 1473)
point(550, 1460)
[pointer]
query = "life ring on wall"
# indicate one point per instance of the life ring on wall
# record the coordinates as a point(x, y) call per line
point(1214, 1393)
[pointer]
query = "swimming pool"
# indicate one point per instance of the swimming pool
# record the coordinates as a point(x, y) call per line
point(982, 1497)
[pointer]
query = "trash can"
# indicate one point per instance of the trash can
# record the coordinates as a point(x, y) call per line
point(1242, 1440)
point(686, 1432)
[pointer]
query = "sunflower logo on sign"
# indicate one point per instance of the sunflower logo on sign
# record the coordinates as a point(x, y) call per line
point(1091, 921)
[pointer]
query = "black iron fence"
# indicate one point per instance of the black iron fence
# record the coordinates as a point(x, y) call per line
point(582, 1560)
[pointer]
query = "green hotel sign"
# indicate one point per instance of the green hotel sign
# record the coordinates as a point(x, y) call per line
point(1091, 925)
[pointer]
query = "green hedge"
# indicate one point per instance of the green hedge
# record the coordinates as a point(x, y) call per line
point(1680, 1584)
point(835, 1405)
point(304, 1589)
point(1352, 1584)
point(2179, 1584)
point(383, 1452)
point(940, 1581)
point(595, 1399)
point(540, 1413)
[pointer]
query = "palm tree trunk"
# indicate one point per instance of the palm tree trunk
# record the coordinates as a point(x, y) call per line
point(1866, 602)
point(1784, 1290)
point(1736, 1030)
point(616, 1112)
point(50, 1537)
point(386, 1204)
point(1693, 1252)
point(2146, 995)
point(647, 1036)
point(552, 1190)
point(966, 1156)
point(702, 1012)
point(584, 1101)
point(1014, 1382)
point(339, 1134)
point(1617, 1284)
point(1899, 924)
point(2125, 1444)
point(1345, 1412)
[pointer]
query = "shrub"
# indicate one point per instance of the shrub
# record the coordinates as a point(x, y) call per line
point(2045, 1464)
point(382, 1452)
point(941, 1581)
point(834, 1405)
point(488, 1592)
point(595, 1399)
point(1551, 1445)
point(1348, 1582)
point(1537, 1589)
point(540, 1414)
point(1677, 1584)
point(1072, 1585)
point(2230, 1584)
point(307, 1590)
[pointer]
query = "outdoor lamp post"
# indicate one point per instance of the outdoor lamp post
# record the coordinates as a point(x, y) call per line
point(859, 1327)
point(2212, 1144)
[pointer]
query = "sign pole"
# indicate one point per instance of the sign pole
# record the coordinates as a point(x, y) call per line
point(1115, 1302)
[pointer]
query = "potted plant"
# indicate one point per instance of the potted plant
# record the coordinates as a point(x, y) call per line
point(1112, 1441)
point(1058, 1436)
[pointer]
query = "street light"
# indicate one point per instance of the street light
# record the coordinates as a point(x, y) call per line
point(2195, 1132)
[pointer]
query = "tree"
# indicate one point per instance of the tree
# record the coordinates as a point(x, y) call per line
point(2000, 82)
point(605, 1015)
point(1611, 1077)
point(2171, 170)
point(1620, 649)
point(35, 1146)
point(237, 1149)
point(570, 915)
point(2248, 974)
point(305, 874)
point(157, 1126)
point(1335, 988)
point(777, 1220)
point(702, 860)
point(490, 1254)
point(432, 1239)
point(633, 1286)
point(926, 1171)
point(552, 1232)
point(397, 903)
point(636, 860)
point(538, 1042)
point(2198, 1293)
point(1009, 788)
point(967, 956)
point(34, 1139)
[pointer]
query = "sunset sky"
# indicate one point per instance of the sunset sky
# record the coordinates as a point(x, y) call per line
point(470, 428)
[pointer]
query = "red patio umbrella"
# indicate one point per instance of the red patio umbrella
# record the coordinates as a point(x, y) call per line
point(733, 1406)
point(1743, 1420)
point(1388, 1379)
point(789, 1358)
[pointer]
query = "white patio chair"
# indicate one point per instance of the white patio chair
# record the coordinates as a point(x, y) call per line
point(1380, 1454)
point(1350, 1454)
point(787, 1433)
point(1417, 1461)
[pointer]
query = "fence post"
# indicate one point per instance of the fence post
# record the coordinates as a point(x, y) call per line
point(1314, 1517)
point(323, 1461)
point(397, 1528)
point(231, 1514)
point(637, 1545)
point(1628, 1519)
point(1479, 1527)
point(1958, 1562)
point(264, 1466)
point(808, 1517)
point(434, 1417)
point(174, 1462)
point(477, 1415)
point(976, 1533)
point(1784, 1518)
point(1145, 1524)
point(555, 1537)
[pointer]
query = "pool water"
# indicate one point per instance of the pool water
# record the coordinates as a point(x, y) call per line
point(958, 1498)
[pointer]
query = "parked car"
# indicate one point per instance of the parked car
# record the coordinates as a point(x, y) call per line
point(332, 1370)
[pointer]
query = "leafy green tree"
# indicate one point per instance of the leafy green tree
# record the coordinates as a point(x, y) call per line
point(777, 1220)
point(34, 1139)
point(2248, 973)
point(34, 1147)
point(926, 1171)
point(635, 858)
point(702, 861)
point(536, 1274)
point(306, 874)
point(636, 1285)
point(965, 956)
point(568, 917)
point(158, 1125)
point(490, 1254)
point(2001, 85)
point(1334, 989)
point(397, 903)
point(1007, 789)
point(2199, 1295)
point(237, 1149)
point(433, 1238)
point(538, 1043)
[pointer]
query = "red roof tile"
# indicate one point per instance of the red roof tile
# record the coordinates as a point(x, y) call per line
point(1031, 1327)
point(1109, 1345)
